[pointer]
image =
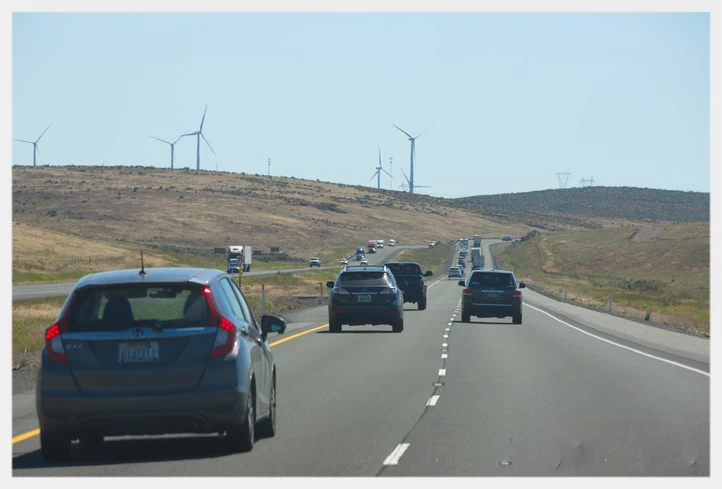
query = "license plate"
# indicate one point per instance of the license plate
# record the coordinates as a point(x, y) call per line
point(493, 296)
point(364, 298)
point(138, 352)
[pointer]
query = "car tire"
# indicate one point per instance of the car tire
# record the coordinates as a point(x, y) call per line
point(334, 327)
point(267, 427)
point(242, 436)
point(465, 318)
point(54, 445)
point(422, 304)
point(516, 319)
point(398, 326)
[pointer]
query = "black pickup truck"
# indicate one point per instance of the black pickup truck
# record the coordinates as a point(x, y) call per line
point(411, 280)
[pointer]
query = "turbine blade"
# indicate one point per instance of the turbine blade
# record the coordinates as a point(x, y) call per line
point(389, 174)
point(46, 130)
point(189, 134)
point(373, 176)
point(397, 127)
point(380, 155)
point(159, 139)
point(407, 178)
point(209, 144)
point(23, 141)
point(204, 118)
point(423, 132)
point(38, 150)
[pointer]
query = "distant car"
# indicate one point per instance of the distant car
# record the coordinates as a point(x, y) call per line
point(344, 262)
point(411, 280)
point(507, 238)
point(491, 293)
point(392, 242)
point(431, 244)
point(365, 296)
point(314, 262)
point(156, 351)
point(455, 272)
point(233, 266)
point(364, 262)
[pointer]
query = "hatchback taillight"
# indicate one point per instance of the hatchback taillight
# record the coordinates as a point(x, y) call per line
point(54, 345)
point(466, 291)
point(517, 293)
point(53, 341)
point(226, 334)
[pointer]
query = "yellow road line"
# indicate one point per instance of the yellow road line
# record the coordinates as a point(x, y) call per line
point(25, 436)
point(298, 334)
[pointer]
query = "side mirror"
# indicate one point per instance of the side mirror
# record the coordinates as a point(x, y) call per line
point(429, 273)
point(462, 283)
point(272, 324)
point(329, 284)
point(522, 285)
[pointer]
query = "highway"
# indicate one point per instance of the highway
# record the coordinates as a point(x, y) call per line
point(59, 289)
point(570, 392)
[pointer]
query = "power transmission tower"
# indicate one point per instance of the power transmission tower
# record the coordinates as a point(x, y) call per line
point(586, 183)
point(564, 178)
point(269, 167)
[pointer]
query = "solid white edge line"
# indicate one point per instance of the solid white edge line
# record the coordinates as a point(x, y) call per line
point(442, 371)
point(432, 400)
point(393, 458)
point(681, 365)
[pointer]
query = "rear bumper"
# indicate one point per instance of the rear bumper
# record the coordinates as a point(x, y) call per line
point(372, 314)
point(141, 415)
point(491, 310)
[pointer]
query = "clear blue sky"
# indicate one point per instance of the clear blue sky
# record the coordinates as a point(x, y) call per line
point(512, 98)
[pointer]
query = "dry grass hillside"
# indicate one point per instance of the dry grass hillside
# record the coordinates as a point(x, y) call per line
point(195, 211)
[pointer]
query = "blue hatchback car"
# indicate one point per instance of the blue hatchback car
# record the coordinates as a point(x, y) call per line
point(156, 351)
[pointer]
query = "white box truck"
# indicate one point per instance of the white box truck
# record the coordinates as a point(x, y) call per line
point(238, 257)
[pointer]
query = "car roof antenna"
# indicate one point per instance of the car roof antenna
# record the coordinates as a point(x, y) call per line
point(142, 265)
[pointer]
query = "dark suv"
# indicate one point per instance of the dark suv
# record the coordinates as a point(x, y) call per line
point(365, 295)
point(411, 280)
point(156, 351)
point(491, 293)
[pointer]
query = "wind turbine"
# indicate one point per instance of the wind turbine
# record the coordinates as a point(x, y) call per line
point(172, 147)
point(413, 154)
point(379, 169)
point(411, 185)
point(35, 143)
point(199, 135)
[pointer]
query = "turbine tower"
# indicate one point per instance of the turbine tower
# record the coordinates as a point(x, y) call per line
point(36, 151)
point(199, 135)
point(413, 154)
point(172, 147)
point(379, 169)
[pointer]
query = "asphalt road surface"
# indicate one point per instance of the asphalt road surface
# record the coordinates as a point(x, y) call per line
point(569, 392)
point(59, 289)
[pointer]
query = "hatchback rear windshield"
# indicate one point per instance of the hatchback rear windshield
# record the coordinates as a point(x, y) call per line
point(404, 268)
point(492, 279)
point(365, 279)
point(116, 308)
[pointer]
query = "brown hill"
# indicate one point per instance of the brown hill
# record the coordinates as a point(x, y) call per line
point(195, 211)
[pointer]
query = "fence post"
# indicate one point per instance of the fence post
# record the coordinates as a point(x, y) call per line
point(611, 293)
point(565, 293)
point(240, 275)
point(263, 298)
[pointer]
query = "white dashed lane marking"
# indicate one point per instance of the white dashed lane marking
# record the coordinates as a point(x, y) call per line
point(442, 372)
point(393, 459)
point(432, 400)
